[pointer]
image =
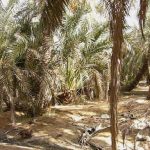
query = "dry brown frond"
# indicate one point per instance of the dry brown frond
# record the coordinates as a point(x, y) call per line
point(52, 13)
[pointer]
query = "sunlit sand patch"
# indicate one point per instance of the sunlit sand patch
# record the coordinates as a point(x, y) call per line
point(142, 101)
point(76, 118)
point(141, 88)
point(5, 146)
point(68, 131)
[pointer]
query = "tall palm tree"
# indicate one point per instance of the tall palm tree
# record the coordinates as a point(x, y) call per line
point(7, 71)
point(118, 9)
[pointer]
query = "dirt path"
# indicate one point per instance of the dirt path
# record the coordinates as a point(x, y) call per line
point(60, 129)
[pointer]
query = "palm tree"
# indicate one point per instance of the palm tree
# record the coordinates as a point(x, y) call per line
point(118, 9)
point(7, 71)
point(81, 54)
point(14, 52)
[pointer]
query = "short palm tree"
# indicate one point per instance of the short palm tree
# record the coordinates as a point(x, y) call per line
point(15, 49)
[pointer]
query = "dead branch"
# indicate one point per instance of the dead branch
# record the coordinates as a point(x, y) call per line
point(90, 132)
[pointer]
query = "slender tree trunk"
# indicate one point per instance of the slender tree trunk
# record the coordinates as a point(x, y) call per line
point(117, 9)
point(11, 92)
point(148, 96)
point(12, 106)
point(148, 82)
point(107, 84)
point(13, 120)
point(53, 97)
point(13, 99)
point(114, 86)
point(98, 86)
point(1, 97)
point(148, 76)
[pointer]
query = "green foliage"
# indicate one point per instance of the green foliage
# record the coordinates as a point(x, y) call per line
point(83, 46)
point(75, 56)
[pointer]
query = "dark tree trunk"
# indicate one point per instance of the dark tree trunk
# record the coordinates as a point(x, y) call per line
point(142, 71)
point(12, 106)
point(107, 84)
point(5, 99)
point(116, 26)
point(148, 75)
point(114, 97)
point(12, 110)
point(53, 101)
point(13, 99)
point(98, 87)
point(148, 96)
point(118, 10)
point(11, 92)
point(148, 83)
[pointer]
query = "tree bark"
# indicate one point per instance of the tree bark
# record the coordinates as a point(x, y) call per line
point(13, 120)
point(11, 92)
point(98, 86)
point(148, 76)
point(117, 16)
point(12, 106)
point(107, 84)
point(114, 86)
point(148, 96)
point(13, 99)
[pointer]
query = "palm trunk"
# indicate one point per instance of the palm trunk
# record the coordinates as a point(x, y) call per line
point(12, 106)
point(148, 83)
point(98, 86)
point(11, 92)
point(1, 97)
point(114, 86)
point(13, 99)
point(107, 84)
point(148, 96)
point(117, 16)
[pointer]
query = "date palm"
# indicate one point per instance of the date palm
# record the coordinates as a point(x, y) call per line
point(81, 54)
point(118, 9)
point(14, 49)
point(7, 69)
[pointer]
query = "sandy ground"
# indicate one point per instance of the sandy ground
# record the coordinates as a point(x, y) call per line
point(5, 146)
point(60, 128)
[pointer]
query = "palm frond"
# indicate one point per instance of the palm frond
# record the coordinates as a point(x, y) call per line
point(51, 13)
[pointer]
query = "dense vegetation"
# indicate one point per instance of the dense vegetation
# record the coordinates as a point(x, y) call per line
point(59, 53)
